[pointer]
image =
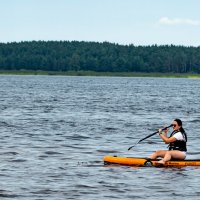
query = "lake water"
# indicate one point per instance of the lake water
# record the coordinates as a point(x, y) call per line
point(55, 132)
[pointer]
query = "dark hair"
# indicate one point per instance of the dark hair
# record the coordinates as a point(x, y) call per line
point(179, 122)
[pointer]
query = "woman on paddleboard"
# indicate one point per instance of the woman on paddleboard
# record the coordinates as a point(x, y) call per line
point(177, 143)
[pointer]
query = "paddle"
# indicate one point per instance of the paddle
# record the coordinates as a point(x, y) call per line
point(149, 136)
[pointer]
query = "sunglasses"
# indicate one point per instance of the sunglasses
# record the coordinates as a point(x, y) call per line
point(174, 125)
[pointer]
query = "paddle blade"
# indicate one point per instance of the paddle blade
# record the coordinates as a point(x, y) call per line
point(133, 146)
point(130, 147)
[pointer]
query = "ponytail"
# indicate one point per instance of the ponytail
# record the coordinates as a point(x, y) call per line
point(179, 122)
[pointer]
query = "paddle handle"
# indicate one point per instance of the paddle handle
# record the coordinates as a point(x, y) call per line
point(148, 136)
point(154, 133)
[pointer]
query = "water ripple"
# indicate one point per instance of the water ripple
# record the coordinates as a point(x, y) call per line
point(55, 132)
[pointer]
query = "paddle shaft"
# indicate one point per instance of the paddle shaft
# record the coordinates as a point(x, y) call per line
point(148, 136)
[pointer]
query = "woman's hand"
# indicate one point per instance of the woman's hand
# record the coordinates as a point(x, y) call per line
point(160, 131)
point(166, 131)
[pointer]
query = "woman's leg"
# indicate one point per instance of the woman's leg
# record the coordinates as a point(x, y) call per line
point(160, 153)
point(174, 154)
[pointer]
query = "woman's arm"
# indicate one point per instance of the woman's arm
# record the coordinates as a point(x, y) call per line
point(165, 138)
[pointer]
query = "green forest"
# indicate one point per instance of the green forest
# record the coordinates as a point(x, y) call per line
point(98, 57)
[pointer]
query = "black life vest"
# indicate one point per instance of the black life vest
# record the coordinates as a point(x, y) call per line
point(178, 144)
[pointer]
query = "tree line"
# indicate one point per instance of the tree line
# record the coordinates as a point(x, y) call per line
point(99, 57)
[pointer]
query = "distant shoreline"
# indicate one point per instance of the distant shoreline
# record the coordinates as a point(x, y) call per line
point(93, 73)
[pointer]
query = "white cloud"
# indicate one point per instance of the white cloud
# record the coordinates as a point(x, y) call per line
point(178, 21)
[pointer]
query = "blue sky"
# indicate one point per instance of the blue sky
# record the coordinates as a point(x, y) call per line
point(138, 22)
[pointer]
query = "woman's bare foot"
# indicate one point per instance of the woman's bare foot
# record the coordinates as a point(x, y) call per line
point(162, 162)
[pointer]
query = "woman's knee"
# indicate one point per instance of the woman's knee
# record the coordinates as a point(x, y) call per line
point(159, 153)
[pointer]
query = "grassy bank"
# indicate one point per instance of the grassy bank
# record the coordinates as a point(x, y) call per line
point(92, 73)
